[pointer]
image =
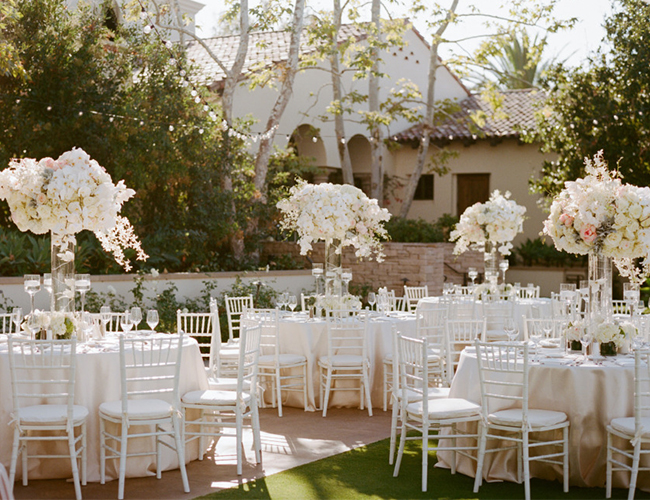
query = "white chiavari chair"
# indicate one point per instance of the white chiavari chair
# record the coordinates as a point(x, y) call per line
point(43, 385)
point(461, 333)
point(634, 431)
point(503, 375)
point(496, 308)
point(234, 308)
point(426, 415)
point(149, 374)
point(413, 294)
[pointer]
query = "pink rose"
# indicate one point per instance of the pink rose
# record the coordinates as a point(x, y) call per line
point(566, 219)
point(49, 163)
point(588, 233)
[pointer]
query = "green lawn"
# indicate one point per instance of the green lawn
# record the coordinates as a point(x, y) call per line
point(364, 473)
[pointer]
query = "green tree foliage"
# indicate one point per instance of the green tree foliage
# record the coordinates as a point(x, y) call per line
point(119, 95)
point(605, 106)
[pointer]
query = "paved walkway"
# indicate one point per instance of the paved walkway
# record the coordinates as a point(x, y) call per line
point(297, 438)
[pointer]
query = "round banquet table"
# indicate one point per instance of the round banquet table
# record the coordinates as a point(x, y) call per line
point(590, 394)
point(97, 381)
point(306, 336)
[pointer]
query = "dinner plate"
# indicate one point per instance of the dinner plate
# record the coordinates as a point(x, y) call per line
point(555, 361)
point(553, 354)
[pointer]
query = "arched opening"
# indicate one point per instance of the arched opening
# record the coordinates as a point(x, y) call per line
point(307, 142)
point(359, 149)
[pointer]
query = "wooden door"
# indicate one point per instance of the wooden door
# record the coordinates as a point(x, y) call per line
point(471, 188)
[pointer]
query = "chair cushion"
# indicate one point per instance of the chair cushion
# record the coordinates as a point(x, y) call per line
point(495, 335)
point(341, 360)
point(138, 408)
point(283, 359)
point(51, 414)
point(434, 393)
point(226, 383)
point(536, 418)
point(444, 408)
point(626, 425)
point(213, 398)
point(229, 351)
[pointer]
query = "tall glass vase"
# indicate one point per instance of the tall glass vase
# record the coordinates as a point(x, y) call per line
point(599, 307)
point(333, 258)
point(491, 263)
point(62, 260)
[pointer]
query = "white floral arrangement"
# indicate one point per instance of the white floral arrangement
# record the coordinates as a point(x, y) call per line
point(66, 196)
point(333, 302)
point(598, 213)
point(496, 221)
point(62, 324)
point(335, 212)
point(609, 331)
point(574, 331)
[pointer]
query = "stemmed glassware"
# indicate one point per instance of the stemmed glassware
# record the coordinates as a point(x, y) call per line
point(152, 319)
point(105, 316)
point(504, 265)
point(472, 273)
point(631, 294)
point(372, 299)
point(82, 285)
point(47, 284)
point(17, 317)
point(292, 302)
point(283, 300)
point(86, 326)
point(510, 327)
point(125, 322)
point(536, 337)
point(136, 316)
point(346, 277)
point(32, 283)
point(585, 339)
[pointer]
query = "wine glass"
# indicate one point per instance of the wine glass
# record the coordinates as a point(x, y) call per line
point(473, 274)
point(86, 326)
point(17, 317)
point(125, 322)
point(82, 285)
point(585, 339)
point(136, 316)
point(536, 337)
point(105, 315)
point(510, 327)
point(283, 300)
point(152, 319)
point(32, 283)
point(293, 302)
point(372, 299)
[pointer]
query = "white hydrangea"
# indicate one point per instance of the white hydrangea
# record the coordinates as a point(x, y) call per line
point(335, 212)
point(497, 221)
point(66, 196)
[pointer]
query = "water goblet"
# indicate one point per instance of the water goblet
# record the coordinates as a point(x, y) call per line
point(472, 273)
point(152, 319)
point(536, 337)
point(293, 302)
point(585, 339)
point(125, 322)
point(510, 327)
point(82, 285)
point(86, 326)
point(504, 265)
point(17, 317)
point(372, 299)
point(105, 315)
point(283, 300)
point(136, 316)
point(32, 283)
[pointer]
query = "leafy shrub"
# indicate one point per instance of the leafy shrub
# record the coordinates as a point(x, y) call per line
point(537, 253)
point(419, 230)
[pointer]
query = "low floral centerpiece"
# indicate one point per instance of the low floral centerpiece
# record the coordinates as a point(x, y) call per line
point(612, 336)
point(489, 227)
point(572, 333)
point(341, 215)
point(64, 197)
point(61, 324)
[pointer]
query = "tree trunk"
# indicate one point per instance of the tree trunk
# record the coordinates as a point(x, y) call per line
point(337, 94)
point(266, 144)
point(427, 127)
point(376, 135)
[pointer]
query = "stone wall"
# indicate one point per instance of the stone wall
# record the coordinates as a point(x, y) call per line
point(415, 264)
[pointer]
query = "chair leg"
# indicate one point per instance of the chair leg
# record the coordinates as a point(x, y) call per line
point(393, 431)
point(526, 464)
point(25, 456)
point(608, 480)
point(14, 458)
point(453, 452)
point(240, 444)
point(478, 478)
point(102, 452)
point(72, 449)
point(425, 456)
point(565, 463)
point(157, 429)
point(400, 450)
point(366, 385)
point(257, 441)
point(84, 454)
point(304, 386)
point(123, 451)
point(278, 386)
point(328, 388)
point(180, 450)
point(635, 470)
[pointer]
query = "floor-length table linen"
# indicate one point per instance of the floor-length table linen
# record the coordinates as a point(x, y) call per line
point(97, 381)
point(591, 395)
point(308, 337)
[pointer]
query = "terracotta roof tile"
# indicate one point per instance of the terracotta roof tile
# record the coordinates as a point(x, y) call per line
point(515, 113)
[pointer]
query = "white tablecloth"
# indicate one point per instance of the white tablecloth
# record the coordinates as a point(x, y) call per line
point(97, 381)
point(590, 395)
point(308, 337)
